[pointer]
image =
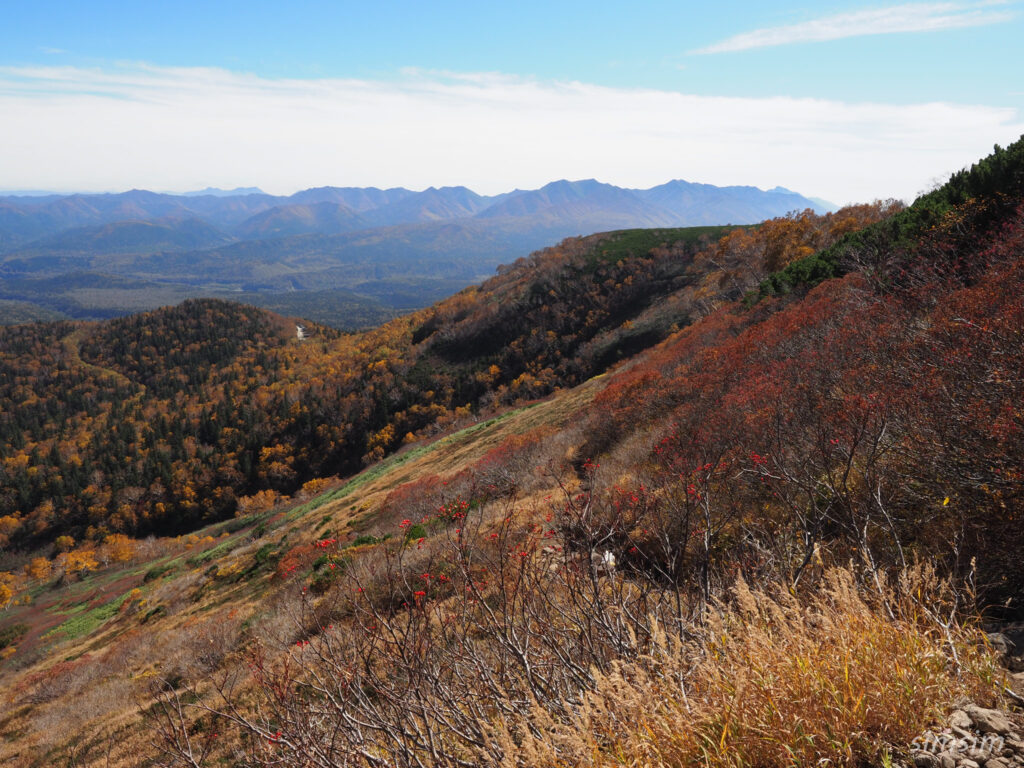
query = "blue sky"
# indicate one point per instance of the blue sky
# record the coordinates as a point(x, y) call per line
point(846, 100)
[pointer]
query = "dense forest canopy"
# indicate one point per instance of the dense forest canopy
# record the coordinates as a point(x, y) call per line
point(157, 423)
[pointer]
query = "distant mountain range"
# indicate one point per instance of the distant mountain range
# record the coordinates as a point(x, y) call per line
point(328, 238)
point(225, 192)
point(248, 213)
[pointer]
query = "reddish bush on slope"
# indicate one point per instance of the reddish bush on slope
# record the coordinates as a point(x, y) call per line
point(881, 421)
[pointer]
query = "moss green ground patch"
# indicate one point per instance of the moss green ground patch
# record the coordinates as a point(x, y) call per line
point(212, 554)
point(385, 466)
point(627, 243)
point(87, 622)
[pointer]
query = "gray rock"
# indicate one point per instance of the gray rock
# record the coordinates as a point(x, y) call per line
point(1000, 643)
point(996, 762)
point(926, 760)
point(989, 720)
point(1015, 634)
point(1016, 683)
point(968, 763)
point(947, 760)
point(959, 719)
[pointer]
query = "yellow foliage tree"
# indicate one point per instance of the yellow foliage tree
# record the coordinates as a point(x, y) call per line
point(261, 501)
point(80, 562)
point(38, 568)
point(118, 548)
point(379, 442)
point(8, 584)
point(8, 525)
point(314, 486)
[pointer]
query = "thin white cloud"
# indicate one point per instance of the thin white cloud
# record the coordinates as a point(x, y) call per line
point(187, 128)
point(910, 17)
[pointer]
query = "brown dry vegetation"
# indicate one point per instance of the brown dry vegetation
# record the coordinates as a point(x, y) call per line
point(490, 649)
point(755, 544)
point(170, 619)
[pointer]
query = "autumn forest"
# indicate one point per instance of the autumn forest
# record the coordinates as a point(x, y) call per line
point(489, 531)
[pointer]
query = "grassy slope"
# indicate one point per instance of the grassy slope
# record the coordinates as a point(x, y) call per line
point(203, 585)
point(187, 588)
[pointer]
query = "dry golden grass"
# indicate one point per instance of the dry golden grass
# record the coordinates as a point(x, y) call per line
point(846, 673)
point(774, 680)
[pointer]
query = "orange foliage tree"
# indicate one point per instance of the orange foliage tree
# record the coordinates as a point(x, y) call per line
point(38, 568)
point(79, 562)
point(117, 548)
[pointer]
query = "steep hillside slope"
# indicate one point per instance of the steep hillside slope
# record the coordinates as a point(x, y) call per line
point(563, 580)
point(159, 422)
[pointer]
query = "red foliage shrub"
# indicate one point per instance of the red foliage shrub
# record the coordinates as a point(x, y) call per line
point(297, 560)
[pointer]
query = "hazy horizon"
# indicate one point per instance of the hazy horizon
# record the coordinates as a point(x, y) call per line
point(257, 189)
point(849, 103)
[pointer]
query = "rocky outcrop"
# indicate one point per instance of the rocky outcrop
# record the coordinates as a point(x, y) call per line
point(974, 737)
point(1008, 642)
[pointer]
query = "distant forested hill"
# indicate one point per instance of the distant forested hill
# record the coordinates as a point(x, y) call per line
point(373, 246)
point(160, 421)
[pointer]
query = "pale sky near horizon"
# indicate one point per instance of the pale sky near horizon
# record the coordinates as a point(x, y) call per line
point(844, 100)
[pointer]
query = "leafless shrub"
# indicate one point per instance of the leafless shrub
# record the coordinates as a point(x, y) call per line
point(495, 642)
